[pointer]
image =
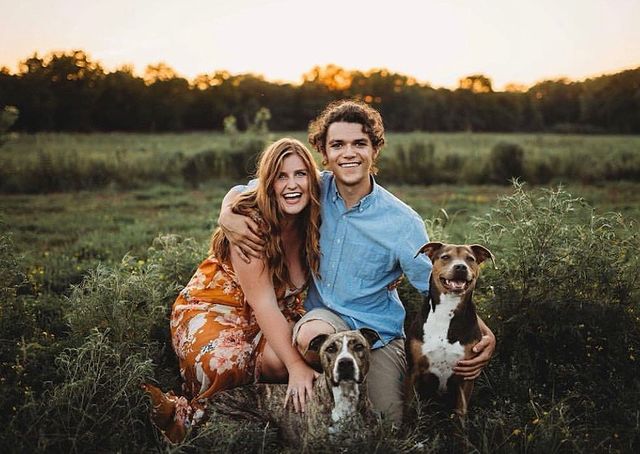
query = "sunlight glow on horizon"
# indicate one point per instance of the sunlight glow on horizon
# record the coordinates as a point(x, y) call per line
point(435, 41)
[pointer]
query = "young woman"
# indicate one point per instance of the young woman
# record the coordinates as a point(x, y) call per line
point(231, 325)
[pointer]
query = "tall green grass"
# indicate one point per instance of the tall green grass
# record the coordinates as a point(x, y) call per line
point(563, 302)
point(45, 163)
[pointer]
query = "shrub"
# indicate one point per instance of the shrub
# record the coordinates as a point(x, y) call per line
point(261, 121)
point(29, 327)
point(230, 125)
point(505, 162)
point(133, 298)
point(235, 163)
point(65, 170)
point(173, 259)
point(8, 116)
point(98, 405)
point(557, 249)
point(563, 304)
point(10, 274)
point(117, 329)
point(411, 164)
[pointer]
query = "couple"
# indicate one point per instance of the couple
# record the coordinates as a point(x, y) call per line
point(234, 322)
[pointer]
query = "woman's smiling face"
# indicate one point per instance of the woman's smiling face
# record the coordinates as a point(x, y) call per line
point(291, 186)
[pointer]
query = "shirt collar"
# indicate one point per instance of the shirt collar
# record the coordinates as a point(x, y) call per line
point(364, 202)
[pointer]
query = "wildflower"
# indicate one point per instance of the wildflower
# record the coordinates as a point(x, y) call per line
point(516, 432)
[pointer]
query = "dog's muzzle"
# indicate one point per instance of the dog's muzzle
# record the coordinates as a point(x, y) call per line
point(346, 370)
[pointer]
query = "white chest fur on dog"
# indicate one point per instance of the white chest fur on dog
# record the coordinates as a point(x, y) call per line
point(345, 399)
point(442, 354)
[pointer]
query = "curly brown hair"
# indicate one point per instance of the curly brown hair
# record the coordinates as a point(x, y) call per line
point(349, 111)
point(261, 204)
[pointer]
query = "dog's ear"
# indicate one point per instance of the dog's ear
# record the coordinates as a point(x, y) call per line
point(371, 335)
point(482, 254)
point(316, 342)
point(430, 249)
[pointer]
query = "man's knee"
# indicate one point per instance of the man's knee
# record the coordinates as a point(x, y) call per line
point(308, 331)
point(386, 378)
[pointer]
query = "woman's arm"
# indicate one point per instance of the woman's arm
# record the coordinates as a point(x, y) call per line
point(257, 287)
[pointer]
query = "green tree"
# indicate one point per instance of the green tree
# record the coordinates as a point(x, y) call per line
point(122, 103)
point(476, 83)
point(557, 101)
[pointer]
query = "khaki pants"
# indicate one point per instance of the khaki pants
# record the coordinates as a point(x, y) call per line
point(386, 371)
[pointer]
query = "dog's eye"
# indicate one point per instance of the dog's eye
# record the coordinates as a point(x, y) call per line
point(358, 347)
point(471, 258)
point(445, 257)
point(331, 348)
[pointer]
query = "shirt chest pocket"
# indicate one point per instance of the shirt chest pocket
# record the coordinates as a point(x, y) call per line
point(370, 263)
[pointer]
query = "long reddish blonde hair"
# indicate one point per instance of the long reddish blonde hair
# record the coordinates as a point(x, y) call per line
point(261, 204)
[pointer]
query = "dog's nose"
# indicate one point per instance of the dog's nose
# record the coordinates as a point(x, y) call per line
point(460, 267)
point(346, 369)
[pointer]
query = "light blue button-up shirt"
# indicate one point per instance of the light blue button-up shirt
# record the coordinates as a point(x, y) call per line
point(364, 249)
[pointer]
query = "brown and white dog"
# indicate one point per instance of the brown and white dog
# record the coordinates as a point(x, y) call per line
point(449, 329)
point(339, 394)
point(345, 358)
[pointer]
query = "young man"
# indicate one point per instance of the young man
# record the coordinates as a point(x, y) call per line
point(368, 239)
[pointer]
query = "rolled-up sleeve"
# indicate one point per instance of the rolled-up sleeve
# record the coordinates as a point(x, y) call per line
point(243, 187)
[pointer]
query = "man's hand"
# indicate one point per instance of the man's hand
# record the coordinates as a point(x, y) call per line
point(394, 285)
point(471, 368)
point(242, 232)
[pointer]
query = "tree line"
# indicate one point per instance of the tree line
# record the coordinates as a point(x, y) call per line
point(67, 91)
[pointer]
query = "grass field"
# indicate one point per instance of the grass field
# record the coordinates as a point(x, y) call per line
point(44, 163)
point(87, 227)
point(564, 378)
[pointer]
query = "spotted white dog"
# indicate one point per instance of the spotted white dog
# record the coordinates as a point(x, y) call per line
point(339, 395)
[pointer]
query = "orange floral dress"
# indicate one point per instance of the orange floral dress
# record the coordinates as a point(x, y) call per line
point(218, 343)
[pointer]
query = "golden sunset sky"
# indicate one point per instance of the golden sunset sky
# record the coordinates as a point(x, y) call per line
point(435, 41)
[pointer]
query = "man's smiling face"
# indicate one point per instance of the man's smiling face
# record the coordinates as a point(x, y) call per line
point(349, 154)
